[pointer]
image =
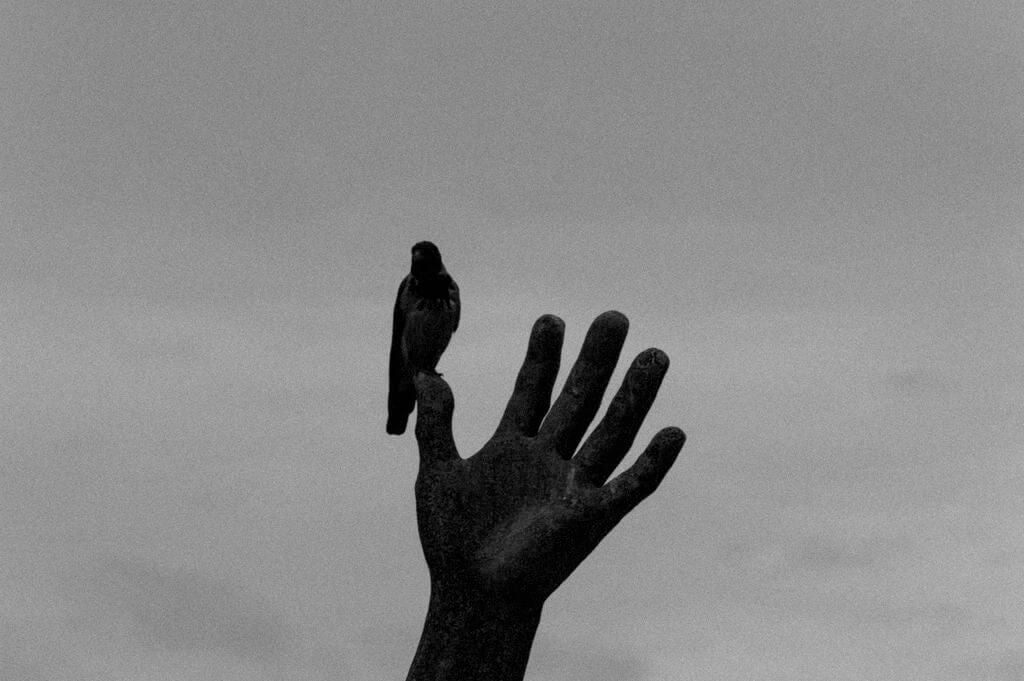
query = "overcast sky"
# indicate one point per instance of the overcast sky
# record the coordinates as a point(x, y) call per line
point(816, 209)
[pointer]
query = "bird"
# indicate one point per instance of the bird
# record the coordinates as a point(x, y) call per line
point(426, 315)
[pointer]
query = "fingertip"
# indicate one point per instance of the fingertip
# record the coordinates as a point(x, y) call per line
point(433, 393)
point(606, 336)
point(424, 381)
point(655, 462)
point(666, 444)
point(612, 320)
point(546, 337)
point(549, 322)
point(673, 435)
point(652, 358)
point(647, 372)
point(613, 315)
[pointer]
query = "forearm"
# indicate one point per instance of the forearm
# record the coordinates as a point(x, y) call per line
point(474, 638)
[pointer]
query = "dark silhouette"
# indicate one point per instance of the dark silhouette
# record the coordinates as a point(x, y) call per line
point(504, 528)
point(426, 315)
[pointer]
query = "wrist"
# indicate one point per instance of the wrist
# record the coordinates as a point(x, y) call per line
point(469, 636)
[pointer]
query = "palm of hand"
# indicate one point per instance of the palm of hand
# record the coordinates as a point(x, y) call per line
point(523, 520)
point(516, 519)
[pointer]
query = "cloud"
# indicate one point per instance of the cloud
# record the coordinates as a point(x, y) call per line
point(920, 383)
point(1004, 666)
point(826, 554)
point(181, 609)
point(555, 659)
point(819, 556)
point(144, 620)
point(934, 615)
point(15, 670)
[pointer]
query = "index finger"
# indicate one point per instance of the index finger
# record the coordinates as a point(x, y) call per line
point(532, 395)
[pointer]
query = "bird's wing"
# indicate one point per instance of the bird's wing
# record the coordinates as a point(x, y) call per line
point(397, 361)
point(401, 392)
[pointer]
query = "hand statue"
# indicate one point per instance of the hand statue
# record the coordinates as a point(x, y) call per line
point(504, 528)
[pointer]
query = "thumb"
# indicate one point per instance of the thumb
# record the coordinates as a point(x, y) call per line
point(435, 405)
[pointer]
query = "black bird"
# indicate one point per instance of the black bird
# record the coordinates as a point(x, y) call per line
point(426, 316)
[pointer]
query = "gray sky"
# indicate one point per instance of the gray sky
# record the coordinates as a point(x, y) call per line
point(816, 210)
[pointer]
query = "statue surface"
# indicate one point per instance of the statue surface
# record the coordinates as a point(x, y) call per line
point(504, 528)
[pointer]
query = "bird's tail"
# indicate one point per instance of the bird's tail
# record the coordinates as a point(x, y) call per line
point(401, 401)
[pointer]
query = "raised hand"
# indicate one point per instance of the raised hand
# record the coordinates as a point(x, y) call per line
point(503, 528)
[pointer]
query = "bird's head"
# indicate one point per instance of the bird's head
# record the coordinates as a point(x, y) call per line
point(426, 259)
